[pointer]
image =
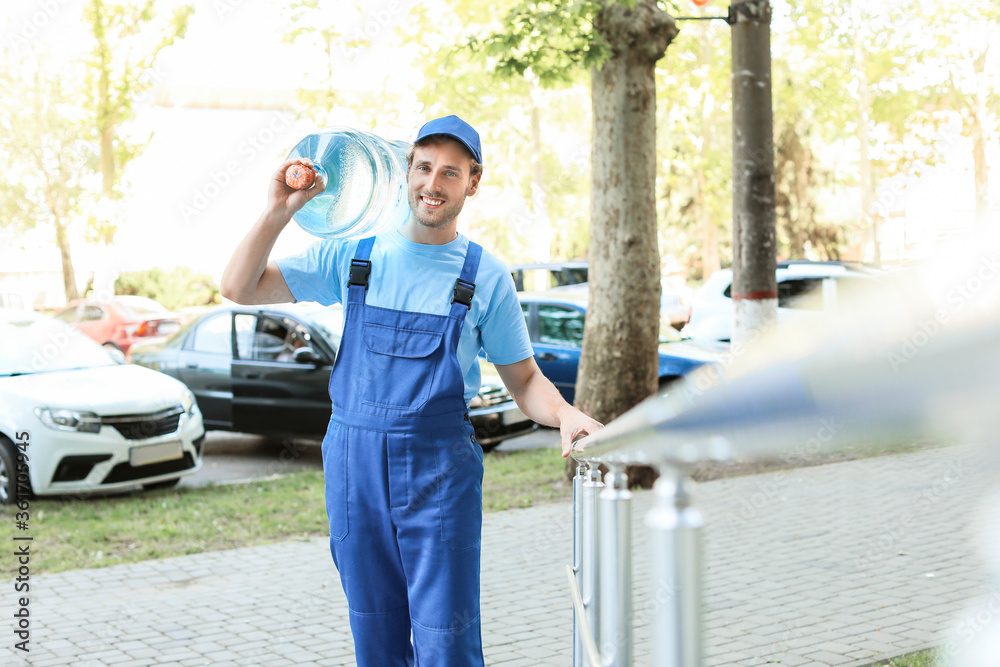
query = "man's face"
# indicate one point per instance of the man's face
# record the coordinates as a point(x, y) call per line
point(439, 180)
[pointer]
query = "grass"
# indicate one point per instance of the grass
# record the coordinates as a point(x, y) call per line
point(524, 479)
point(927, 658)
point(71, 533)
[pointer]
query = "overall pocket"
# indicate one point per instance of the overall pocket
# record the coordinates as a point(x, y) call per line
point(399, 372)
point(335, 475)
point(460, 490)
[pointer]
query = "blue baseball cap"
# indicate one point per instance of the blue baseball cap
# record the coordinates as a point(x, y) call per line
point(454, 127)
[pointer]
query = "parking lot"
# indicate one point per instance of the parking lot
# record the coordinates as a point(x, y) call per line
point(234, 457)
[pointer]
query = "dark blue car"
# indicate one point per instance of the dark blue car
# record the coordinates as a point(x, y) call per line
point(555, 323)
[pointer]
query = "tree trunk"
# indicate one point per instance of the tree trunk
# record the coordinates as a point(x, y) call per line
point(58, 212)
point(618, 366)
point(754, 290)
point(69, 276)
point(978, 117)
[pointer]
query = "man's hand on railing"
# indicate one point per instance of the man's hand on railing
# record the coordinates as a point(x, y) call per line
point(574, 425)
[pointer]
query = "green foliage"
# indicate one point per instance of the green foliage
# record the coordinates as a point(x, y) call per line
point(551, 40)
point(694, 130)
point(44, 160)
point(176, 288)
point(128, 35)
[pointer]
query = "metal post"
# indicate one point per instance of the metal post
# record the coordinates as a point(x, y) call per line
point(675, 534)
point(754, 289)
point(581, 472)
point(615, 523)
point(589, 553)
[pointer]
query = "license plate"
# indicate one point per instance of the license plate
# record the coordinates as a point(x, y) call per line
point(164, 451)
point(513, 417)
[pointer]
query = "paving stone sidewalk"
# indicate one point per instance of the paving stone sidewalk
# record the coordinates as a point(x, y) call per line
point(839, 564)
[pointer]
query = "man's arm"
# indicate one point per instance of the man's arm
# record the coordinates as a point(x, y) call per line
point(540, 401)
point(249, 278)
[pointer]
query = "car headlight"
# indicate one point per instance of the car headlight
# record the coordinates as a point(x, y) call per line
point(190, 403)
point(64, 419)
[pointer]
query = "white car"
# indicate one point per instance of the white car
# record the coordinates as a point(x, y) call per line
point(81, 420)
point(803, 286)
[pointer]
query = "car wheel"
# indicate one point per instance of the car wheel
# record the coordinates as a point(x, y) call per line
point(111, 346)
point(8, 471)
point(165, 484)
point(490, 447)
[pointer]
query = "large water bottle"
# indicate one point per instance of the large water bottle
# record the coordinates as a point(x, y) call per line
point(365, 179)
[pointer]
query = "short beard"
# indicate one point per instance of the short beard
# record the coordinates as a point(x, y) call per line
point(414, 201)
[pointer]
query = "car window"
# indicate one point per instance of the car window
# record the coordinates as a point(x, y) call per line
point(267, 338)
point(526, 309)
point(559, 325)
point(68, 315)
point(801, 294)
point(245, 326)
point(214, 335)
point(92, 313)
point(571, 276)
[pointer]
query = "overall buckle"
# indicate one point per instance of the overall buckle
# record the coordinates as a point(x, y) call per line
point(464, 290)
point(360, 269)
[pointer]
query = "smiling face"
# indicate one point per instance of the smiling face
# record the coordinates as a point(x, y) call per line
point(439, 179)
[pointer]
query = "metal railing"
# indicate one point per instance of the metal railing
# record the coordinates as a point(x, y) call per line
point(914, 356)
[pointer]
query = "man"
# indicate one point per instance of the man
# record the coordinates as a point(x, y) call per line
point(403, 470)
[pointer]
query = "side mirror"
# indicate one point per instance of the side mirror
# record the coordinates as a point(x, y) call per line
point(306, 355)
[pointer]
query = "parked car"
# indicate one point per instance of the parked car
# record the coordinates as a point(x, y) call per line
point(555, 324)
point(800, 290)
point(120, 322)
point(675, 304)
point(545, 275)
point(266, 370)
point(12, 300)
point(84, 421)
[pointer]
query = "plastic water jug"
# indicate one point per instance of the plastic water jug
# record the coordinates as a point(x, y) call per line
point(365, 179)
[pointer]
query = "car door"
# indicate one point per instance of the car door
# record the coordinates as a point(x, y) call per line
point(557, 338)
point(273, 393)
point(204, 365)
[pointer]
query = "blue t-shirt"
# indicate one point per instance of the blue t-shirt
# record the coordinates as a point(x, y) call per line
point(421, 278)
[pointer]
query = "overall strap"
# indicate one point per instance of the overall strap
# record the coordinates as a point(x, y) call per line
point(465, 286)
point(361, 268)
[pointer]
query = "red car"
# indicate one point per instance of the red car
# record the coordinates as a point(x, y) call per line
point(120, 322)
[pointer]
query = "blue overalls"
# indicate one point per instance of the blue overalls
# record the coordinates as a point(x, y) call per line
point(404, 480)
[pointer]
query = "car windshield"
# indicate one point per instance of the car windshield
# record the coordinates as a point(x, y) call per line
point(42, 345)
